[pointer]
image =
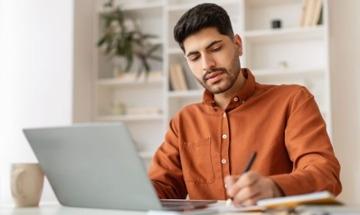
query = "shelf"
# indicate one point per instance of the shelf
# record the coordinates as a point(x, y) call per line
point(137, 117)
point(291, 54)
point(156, 41)
point(276, 73)
point(298, 33)
point(146, 155)
point(139, 6)
point(186, 6)
point(175, 51)
point(112, 82)
point(268, 3)
point(185, 94)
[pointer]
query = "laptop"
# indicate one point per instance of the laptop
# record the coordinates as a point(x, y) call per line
point(97, 166)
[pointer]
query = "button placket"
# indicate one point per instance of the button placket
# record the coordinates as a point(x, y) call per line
point(225, 142)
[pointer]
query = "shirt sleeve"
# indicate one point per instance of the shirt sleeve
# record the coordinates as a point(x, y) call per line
point(165, 170)
point(315, 167)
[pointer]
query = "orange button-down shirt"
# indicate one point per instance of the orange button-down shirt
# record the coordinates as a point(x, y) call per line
point(282, 123)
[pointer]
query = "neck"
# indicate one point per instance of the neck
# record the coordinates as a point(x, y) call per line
point(223, 99)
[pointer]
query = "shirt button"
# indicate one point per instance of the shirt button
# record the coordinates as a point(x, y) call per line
point(224, 136)
point(236, 99)
point(223, 161)
point(224, 115)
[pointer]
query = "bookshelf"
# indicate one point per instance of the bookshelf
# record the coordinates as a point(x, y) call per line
point(292, 54)
point(296, 53)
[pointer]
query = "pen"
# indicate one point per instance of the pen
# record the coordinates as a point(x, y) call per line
point(247, 168)
point(250, 162)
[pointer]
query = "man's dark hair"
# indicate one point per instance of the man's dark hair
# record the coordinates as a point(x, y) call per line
point(199, 17)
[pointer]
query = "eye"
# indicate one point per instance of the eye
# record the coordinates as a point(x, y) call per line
point(193, 57)
point(216, 48)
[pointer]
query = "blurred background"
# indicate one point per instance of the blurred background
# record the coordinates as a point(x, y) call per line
point(74, 61)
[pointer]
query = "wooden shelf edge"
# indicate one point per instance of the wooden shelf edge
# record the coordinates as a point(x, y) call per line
point(134, 117)
point(186, 6)
point(290, 33)
point(119, 82)
point(287, 72)
point(143, 6)
point(185, 94)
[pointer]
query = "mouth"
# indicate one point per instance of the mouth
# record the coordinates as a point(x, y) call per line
point(213, 77)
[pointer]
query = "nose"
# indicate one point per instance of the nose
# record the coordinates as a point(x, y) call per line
point(208, 62)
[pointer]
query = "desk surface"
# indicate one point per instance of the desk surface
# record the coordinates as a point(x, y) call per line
point(60, 210)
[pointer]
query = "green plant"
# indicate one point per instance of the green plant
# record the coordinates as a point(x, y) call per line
point(123, 38)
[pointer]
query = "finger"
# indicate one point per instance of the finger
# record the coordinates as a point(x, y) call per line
point(247, 194)
point(254, 199)
point(247, 179)
point(261, 190)
point(251, 201)
point(244, 180)
point(229, 181)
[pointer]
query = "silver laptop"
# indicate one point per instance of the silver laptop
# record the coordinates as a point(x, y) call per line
point(97, 166)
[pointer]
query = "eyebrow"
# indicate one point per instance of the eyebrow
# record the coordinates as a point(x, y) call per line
point(208, 46)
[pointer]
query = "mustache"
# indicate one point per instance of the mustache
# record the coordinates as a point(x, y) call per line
point(212, 70)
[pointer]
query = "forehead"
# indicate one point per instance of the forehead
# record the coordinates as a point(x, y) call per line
point(200, 40)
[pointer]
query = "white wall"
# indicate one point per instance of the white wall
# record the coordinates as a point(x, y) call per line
point(36, 40)
point(345, 77)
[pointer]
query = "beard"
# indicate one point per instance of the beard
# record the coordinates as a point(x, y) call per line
point(226, 82)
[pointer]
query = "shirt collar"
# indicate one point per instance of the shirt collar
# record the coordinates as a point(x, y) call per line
point(244, 93)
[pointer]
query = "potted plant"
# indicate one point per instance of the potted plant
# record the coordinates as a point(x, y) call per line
point(122, 38)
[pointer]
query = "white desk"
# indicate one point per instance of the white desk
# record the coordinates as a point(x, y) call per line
point(59, 210)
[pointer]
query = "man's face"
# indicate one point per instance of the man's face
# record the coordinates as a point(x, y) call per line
point(213, 59)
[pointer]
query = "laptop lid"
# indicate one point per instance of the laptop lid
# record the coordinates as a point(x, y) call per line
point(93, 165)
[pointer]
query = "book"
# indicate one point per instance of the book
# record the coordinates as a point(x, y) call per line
point(177, 78)
point(174, 82)
point(317, 198)
point(309, 10)
point(326, 209)
point(311, 13)
point(305, 4)
point(311, 199)
point(181, 77)
point(316, 12)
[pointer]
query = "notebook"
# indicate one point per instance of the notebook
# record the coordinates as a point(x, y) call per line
point(97, 166)
point(317, 198)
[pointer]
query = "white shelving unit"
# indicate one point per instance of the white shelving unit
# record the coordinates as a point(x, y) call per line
point(115, 97)
point(292, 54)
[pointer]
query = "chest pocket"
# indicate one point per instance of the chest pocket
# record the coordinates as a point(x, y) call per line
point(196, 161)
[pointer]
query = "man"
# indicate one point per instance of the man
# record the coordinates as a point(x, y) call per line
point(208, 144)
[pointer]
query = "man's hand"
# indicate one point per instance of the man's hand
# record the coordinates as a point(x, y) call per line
point(250, 187)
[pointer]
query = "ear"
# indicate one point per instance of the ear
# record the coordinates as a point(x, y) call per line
point(238, 42)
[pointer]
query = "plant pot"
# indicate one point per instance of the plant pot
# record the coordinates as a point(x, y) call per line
point(118, 65)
